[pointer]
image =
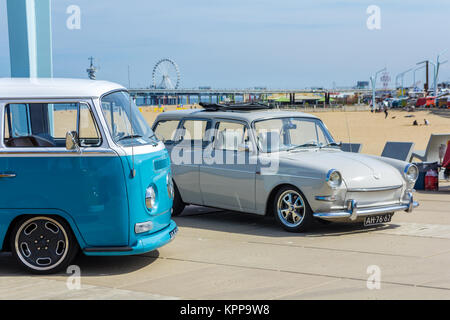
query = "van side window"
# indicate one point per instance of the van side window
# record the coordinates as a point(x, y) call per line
point(45, 125)
point(165, 130)
point(88, 133)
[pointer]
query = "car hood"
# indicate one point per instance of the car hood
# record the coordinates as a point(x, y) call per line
point(358, 170)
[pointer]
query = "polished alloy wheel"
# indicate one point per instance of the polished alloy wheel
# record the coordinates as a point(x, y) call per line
point(291, 208)
point(41, 243)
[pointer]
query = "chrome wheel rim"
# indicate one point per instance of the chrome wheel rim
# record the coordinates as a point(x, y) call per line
point(41, 243)
point(291, 208)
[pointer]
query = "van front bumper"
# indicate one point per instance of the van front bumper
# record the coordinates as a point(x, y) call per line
point(353, 213)
point(144, 244)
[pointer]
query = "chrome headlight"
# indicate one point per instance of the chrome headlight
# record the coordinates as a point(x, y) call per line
point(150, 198)
point(411, 173)
point(170, 189)
point(334, 178)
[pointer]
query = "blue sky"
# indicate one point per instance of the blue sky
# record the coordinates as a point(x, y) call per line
point(240, 43)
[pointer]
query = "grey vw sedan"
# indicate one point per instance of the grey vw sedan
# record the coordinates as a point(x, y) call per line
point(285, 163)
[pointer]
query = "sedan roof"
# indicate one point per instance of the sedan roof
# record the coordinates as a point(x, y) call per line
point(248, 116)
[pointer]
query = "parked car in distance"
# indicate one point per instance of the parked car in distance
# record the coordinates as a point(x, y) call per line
point(284, 163)
point(80, 169)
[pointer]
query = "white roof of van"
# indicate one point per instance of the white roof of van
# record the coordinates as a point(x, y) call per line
point(54, 88)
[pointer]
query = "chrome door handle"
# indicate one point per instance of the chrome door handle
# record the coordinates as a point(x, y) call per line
point(7, 175)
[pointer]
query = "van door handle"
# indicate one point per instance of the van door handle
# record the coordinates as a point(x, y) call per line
point(7, 175)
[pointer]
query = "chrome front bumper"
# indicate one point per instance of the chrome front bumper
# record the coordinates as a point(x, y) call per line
point(353, 212)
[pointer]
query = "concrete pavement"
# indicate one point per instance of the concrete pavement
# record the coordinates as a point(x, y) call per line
point(227, 255)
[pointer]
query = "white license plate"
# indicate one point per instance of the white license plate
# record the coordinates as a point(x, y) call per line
point(173, 232)
point(374, 220)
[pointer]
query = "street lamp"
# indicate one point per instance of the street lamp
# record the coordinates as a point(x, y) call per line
point(414, 78)
point(434, 77)
point(373, 80)
point(402, 75)
point(436, 70)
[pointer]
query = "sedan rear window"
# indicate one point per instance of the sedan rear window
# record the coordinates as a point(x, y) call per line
point(166, 130)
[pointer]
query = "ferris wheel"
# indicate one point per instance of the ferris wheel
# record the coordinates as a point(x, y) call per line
point(166, 75)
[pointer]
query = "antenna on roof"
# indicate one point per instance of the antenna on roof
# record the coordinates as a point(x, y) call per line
point(133, 170)
point(91, 70)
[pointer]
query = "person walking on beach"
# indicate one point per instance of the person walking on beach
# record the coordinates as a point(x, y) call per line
point(386, 113)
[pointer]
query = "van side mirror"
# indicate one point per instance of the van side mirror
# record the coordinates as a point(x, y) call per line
point(72, 141)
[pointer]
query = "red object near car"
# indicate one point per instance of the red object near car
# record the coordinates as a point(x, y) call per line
point(426, 102)
point(421, 102)
point(446, 160)
point(431, 180)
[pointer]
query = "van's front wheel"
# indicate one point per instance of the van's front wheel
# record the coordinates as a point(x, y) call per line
point(43, 245)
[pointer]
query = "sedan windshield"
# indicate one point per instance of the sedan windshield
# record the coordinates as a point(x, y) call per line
point(282, 134)
point(125, 122)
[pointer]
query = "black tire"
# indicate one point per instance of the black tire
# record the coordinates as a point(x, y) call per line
point(296, 217)
point(43, 244)
point(178, 204)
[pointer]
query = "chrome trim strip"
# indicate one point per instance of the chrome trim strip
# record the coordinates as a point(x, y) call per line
point(98, 153)
point(375, 189)
point(367, 211)
point(353, 208)
point(326, 198)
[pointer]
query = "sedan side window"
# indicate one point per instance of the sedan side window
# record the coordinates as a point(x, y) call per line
point(232, 136)
point(165, 130)
point(193, 132)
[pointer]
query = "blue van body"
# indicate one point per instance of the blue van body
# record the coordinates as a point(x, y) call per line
point(83, 191)
point(100, 191)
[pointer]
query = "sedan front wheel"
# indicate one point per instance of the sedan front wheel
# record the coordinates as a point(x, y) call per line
point(291, 210)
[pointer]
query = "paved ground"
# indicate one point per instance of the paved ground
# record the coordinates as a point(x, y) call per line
point(223, 255)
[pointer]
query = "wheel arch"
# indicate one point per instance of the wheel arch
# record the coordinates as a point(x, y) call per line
point(175, 185)
point(5, 246)
point(274, 191)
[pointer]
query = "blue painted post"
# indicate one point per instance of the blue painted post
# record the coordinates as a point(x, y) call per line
point(30, 44)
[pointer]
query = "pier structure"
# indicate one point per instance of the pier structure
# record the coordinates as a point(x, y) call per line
point(151, 96)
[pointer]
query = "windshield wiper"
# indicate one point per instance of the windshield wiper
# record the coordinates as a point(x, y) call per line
point(154, 139)
point(305, 145)
point(131, 136)
point(332, 144)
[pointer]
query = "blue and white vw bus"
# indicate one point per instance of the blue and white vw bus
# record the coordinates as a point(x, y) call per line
point(80, 169)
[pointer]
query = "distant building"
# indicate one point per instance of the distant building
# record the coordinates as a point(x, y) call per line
point(362, 85)
point(444, 85)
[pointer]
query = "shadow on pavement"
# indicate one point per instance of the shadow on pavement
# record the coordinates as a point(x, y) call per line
point(441, 112)
point(444, 188)
point(241, 223)
point(90, 266)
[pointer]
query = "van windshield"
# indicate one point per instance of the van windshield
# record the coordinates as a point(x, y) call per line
point(125, 122)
